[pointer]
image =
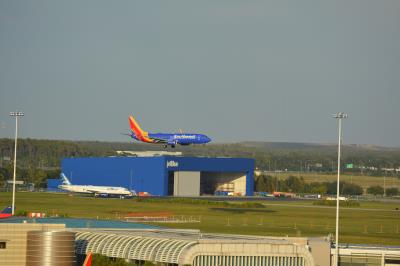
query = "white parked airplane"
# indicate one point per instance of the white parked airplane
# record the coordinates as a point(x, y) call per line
point(96, 190)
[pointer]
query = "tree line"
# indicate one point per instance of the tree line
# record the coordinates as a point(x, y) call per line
point(31, 175)
point(41, 159)
point(270, 184)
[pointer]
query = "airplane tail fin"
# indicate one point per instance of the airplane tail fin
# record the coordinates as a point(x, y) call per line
point(65, 179)
point(88, 259)
point(7, 210)
point(139, 133)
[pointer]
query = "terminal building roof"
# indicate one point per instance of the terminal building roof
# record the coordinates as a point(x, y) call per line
point(187, 246)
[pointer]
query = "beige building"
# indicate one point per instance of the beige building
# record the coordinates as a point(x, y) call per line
point(36, 242)
point(367, 255)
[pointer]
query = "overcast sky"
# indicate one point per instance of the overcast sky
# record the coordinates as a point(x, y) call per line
point(234, 70)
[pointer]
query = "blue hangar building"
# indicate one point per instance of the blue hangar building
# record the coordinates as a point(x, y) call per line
point(163, 175)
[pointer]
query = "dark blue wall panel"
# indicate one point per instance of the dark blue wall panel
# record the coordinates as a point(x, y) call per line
point(133, 173)
point(208, 164)
point(52, 185)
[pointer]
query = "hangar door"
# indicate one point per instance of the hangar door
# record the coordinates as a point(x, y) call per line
point(184, 183)
point(234, 182)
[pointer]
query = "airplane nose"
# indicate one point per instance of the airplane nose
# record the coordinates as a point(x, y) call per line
point(207, 139)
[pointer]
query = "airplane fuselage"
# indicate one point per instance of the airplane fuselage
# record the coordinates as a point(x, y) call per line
point(170, 139)
point(175, 138)
point(87, 189)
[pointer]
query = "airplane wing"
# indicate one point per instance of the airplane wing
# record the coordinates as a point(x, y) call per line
point(94, 191)
point(159, 140)
point(156, 140)
point(101, 191)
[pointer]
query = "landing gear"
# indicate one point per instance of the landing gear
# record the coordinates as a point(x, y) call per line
point(166, 146)
point(170, 143)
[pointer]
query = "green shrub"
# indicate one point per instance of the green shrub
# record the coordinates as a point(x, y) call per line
point(375, 190)
point(250, 205)
point(342, 203)
point(203, 202)
point(392, 191)
point(21, 213)
point(100, 260)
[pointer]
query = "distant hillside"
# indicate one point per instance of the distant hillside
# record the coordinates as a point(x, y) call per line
point(47, 154)
point(295, 146)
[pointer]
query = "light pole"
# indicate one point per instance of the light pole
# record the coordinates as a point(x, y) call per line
point(338, 116)
point(16, 115)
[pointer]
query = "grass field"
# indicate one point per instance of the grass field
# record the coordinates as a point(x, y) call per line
point(361, 180)
point(372, 222)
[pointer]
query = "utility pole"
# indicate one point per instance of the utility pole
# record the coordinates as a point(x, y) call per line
point(16, 115)
point(384, 185)
point(339, 117)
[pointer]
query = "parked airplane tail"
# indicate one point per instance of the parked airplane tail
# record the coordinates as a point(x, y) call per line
point(7, 210)
point(136, 129)
point(65, 179)
point(6, 213)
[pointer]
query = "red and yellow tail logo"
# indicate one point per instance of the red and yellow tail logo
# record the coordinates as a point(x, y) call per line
point(139, 133)
point(88, 260)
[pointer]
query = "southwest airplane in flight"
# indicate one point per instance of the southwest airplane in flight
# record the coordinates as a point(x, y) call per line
point(171, 139)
